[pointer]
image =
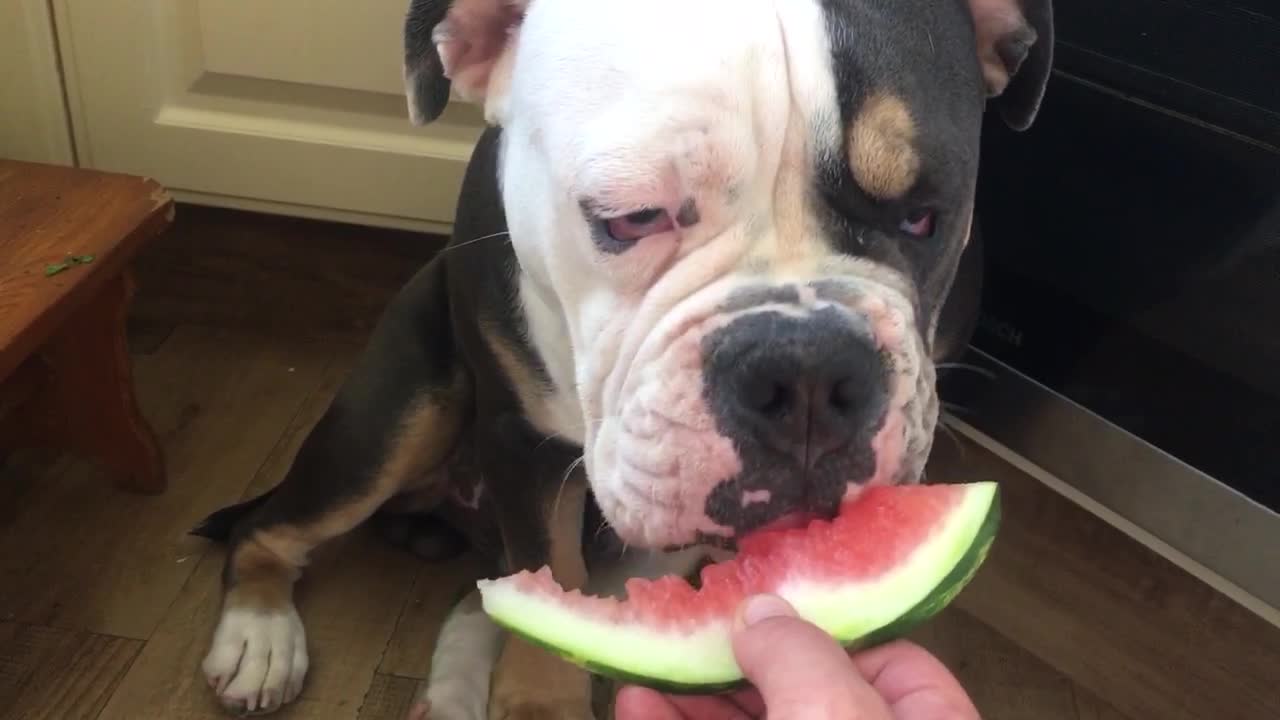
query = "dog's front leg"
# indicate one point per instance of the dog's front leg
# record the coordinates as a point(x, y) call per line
point(540, 509)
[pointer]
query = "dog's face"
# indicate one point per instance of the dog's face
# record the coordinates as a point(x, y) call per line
point(737, 222)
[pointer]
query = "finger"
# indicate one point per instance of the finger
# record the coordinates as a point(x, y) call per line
point(799, 670)
point(703, 707)
point(749, 700)
point(641, 703)
point(914, 683)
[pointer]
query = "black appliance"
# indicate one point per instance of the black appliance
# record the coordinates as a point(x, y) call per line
point(1131, 315)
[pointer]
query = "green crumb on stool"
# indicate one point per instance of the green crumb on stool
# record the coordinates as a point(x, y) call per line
point(54, 268)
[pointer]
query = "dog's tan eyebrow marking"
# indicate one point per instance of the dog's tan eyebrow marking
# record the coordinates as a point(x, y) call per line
point(882, 153)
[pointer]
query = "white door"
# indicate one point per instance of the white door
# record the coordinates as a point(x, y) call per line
point(293, 106)
point(33, 116)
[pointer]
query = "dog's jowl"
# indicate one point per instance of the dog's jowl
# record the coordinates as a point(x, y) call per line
point(704, 262)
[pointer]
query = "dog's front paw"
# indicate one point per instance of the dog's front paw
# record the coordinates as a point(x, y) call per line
point(258, 659)
point(531, 683)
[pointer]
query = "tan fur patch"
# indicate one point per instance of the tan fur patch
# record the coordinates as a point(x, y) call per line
point(428, 433)
point(882, 153)
point(564, 526)
point(261, 580)
point(526, 385)
point(265, 565)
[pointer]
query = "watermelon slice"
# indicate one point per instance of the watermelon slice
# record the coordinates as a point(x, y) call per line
point(890, 559)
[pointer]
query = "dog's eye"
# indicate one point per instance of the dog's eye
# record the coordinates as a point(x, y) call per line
point(918, 223)
point(638, 225)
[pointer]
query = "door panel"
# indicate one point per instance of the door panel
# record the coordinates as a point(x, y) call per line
point(33, 113)
point(296, 104)
point(313, 42)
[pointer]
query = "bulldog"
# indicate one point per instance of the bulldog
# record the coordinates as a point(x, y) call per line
point(707, 258)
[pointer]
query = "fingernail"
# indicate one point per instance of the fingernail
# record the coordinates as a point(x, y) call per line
point(763, 607)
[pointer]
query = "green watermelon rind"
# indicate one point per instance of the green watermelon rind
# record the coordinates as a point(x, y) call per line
point(943, 593)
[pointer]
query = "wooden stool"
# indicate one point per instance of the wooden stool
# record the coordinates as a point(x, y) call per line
point(66, 239)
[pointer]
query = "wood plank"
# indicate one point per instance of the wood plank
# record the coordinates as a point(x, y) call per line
point(350, 598)
point(1089, 707)
point(338, 361)
point(1004, 681)
point(52, 212)
point(83, 556)
point(22, 473)
point(1111, 614)
point(389, 698)
point(52, 674)
point(435, 589)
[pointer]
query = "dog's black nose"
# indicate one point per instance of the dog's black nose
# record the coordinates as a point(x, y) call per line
point(803, 385)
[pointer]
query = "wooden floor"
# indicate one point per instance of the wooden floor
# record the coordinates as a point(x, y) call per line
point(243, 329)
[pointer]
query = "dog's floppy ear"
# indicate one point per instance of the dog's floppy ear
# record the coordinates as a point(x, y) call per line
point(456, 44)
point(1015, 48)
point(425, 84)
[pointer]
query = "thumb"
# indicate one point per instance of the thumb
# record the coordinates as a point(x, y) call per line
point(799, 670)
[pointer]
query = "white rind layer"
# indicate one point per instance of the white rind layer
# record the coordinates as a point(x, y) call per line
point(852, 610)
point(847, 611)
point(698, 657)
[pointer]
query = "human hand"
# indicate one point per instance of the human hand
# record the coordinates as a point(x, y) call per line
point(798, 672)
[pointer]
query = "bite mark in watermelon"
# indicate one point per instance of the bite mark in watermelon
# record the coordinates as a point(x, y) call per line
point(891, 559)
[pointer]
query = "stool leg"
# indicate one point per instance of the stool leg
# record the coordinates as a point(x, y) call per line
point(88, 405)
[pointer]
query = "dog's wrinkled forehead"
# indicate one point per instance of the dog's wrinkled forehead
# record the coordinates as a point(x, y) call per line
point(883, 86)
point(925, 49)
point(905, 68)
